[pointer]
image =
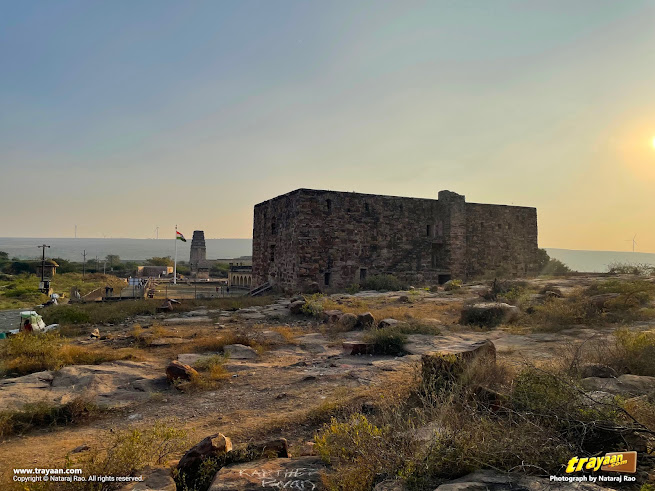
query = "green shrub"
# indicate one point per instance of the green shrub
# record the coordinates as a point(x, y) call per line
point(452, 285)
point(313, 305)
point(383, 283)
point(635, 351)
point(41, 414)
point(387, 340)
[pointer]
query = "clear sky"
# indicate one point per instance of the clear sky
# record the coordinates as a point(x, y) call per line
point(120, 116)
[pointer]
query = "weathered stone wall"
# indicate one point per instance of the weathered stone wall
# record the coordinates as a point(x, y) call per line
point(336, 239)
point(500, 239)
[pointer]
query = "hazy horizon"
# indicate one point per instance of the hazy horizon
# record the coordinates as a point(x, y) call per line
point(120, 117)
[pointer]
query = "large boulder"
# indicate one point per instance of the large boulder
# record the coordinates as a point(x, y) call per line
point(626, 385)
point(331, 316)
point(213, 446)
point(388, 323)
point(441, 368)
point(601, 301)
point(297, 473)
point(296, 306)
point(358, 348)
point(365, 320)
point(348, 321)
point(597, 370)
point(489, 314)
point(179, 371)
point(240, 352)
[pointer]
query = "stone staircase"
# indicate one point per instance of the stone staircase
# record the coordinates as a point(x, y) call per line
point(260, 289)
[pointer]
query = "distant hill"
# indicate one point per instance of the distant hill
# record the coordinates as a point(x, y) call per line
point(598, 261)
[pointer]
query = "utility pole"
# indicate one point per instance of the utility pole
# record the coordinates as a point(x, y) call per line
point(76, 231)
point(43, 264)
point(84, 264)
point(97, 264)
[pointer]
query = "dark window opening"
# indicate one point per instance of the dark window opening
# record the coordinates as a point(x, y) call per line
point(429, 230)
point(362, 274)
point(443, 278)
point(328, 204)
point(366, 207)
point(274, 227)
point(499, 225)
point(272, 253)
point(326, 279)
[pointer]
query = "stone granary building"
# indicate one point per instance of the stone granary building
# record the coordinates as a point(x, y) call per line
point(337, 239)
point(198, 256)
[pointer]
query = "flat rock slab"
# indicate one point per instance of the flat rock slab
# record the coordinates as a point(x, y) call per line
point(240, 352)
point(495, 481)
point(623, 385)
point(187, 320)
point(113, 384)
point(296, 473)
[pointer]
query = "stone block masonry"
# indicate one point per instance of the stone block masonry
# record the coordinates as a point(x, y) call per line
point(336, 239)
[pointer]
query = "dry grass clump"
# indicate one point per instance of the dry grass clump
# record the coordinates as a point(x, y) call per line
point(42, 414)
point(626, 351)
point(486, 416)
point(604, 302)
point(27, 353)
point(217, 342)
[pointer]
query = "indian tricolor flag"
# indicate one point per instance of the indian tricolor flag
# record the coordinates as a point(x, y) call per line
point(179, 236)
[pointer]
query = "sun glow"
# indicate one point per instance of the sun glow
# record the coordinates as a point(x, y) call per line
point(654, 142)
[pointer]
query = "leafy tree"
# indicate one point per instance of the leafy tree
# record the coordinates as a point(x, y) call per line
point(112, 259)
point(160, 261)
point(4, 256)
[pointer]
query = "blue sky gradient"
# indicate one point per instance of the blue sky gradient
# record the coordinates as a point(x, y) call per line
point(127, 115)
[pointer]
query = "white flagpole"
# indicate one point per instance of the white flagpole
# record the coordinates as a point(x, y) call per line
point(175, 264)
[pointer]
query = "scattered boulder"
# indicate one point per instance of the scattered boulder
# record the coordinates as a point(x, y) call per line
point(81, 448)
point(365, 320)
point(212, 446)
point(403, 299)
point(296, 306)
point(313, 288)
point(240, 352)
point(332, 316)
point(452, 285)
point(298, 473)
point(390, 485)
point(358, 348)
point(179, 371)
point(489, 314)
point(388, 322)
point(95, 333)
point(446, 365)
point(348, 321)
point(597, 370)
point(630, 385)
point(154, 479)
point(600, 301)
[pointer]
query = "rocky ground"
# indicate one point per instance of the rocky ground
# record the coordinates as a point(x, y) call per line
point(298, 364)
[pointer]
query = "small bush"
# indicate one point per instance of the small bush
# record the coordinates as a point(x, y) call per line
point(383, 283)
point(313, 305)
point(41, 414)
point(640, 269)
point(387, 341)
point(635, 351)
point(452, 285)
